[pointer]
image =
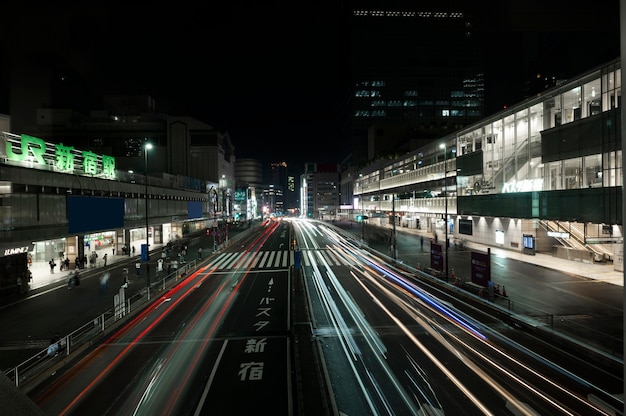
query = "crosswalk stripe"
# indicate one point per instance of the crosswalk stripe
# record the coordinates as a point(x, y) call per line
point(271, 259)
point(263, 258)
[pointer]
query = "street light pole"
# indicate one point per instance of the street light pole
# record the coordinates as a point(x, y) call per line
point(394, 249)
point(147, 147)
point(445, 219)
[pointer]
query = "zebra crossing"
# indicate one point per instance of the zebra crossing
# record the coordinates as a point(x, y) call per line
point(258, 260)
point(273, 259)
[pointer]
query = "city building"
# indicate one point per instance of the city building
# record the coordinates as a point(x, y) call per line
point(248, 193)
point(61, 202)
point(284, 177)
point(415, 74)
point(319, 189)
point(543, 175)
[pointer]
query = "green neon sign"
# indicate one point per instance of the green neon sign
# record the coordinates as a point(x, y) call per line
point(33, 150)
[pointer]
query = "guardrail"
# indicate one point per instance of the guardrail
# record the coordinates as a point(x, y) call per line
point(31, 372)
point(555, 325)
point(58, 353)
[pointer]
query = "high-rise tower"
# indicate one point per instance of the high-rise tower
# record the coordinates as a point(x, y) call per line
point(416, 73)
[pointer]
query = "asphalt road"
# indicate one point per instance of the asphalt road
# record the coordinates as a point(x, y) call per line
point(586, 309)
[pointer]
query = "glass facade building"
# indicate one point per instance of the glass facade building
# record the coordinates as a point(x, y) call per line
point(547, 170)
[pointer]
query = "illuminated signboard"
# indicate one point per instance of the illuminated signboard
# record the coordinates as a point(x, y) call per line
point(34, 152)
point(525, 185)
point(558, 234)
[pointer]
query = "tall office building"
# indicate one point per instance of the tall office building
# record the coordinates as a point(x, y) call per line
point(416, 74)
point(284, 178)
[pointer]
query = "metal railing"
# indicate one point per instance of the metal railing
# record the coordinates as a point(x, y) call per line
point(48, 360)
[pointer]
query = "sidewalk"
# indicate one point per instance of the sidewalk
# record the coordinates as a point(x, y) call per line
point(42, 276)
point(596, 271)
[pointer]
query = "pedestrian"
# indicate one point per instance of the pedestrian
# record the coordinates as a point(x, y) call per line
point(104, 281)
point(125, 275)
point(159, 266)
point(138, 268)
point(199, 253)
point(62, 264)
point(76, 278)
point(113, 251)
point(67, 263)
point(52, 265)
point(30, 260)
point(76, 263)
point(105, 259)
point(133, 250)
point(422, 241)
point(70, 280)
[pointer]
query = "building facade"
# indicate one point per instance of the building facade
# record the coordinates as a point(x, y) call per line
point(61, 202)
point(320, 191)
point(416, 73)
point(545, 174)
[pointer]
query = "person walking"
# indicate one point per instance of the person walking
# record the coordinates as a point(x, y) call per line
point(105, 259)
point(67, 263)
point(199, 253)
point(125, 275)
point(422, 242)
point(70, 280)
point(52, 265)
point(138, 268)
point(76, 263)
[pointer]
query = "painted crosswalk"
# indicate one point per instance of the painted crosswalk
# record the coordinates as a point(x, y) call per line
point(259, 260)
point(275, 259)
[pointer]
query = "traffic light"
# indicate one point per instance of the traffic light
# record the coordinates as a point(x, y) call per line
point(359, 218)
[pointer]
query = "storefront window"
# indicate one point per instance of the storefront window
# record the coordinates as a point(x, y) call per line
point(552, 112)
point(592, 104)
point(573, 173)
point(571, 106)
point(593, 171)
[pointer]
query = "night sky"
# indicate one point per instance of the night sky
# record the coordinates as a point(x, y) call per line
point(269, 73)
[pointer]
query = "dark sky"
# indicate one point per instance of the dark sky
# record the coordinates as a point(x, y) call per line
point(269, 73)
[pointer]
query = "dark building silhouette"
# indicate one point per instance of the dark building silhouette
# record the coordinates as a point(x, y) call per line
point(284, 179)
point(416, 74)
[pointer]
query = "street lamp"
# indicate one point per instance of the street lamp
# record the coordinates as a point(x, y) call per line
point(445, 218)
point(147, 146)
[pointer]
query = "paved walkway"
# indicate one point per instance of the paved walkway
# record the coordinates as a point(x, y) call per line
point(597, 271)
point(41, 269)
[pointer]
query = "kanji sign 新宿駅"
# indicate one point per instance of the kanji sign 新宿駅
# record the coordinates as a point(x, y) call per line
point(35, 152)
